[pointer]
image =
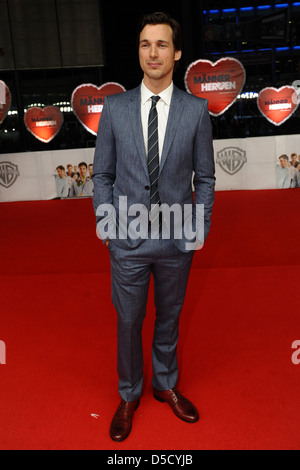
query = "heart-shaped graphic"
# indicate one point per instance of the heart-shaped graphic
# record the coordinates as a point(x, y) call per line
point(44, 123)
point(278, 104)
point(5, 101)
point(87, 103)
point(220, 82)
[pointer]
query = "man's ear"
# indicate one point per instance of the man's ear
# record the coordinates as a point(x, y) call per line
point(178, 55)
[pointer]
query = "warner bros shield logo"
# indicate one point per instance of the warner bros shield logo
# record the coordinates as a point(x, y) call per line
point(231, 159)
point(8, 174)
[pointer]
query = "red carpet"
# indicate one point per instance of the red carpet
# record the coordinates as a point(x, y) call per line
point(239, 322)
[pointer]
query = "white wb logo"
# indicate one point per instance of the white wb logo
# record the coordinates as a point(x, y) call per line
point(296, 95)
point(2, 353)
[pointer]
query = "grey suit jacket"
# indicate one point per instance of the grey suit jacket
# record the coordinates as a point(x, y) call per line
point(120, 163)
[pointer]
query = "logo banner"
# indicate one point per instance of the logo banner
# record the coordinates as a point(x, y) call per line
point(220, 82)
point(44, 124)
point(277, 105)
point(254, 163)
point(87, 103)
point(231, 159)
point(9, 173)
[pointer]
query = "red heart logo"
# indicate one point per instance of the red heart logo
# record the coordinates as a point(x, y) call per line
point(220, 82)
point(44, 124)
point(278, 104)
point(87, 103)
point(5, 101)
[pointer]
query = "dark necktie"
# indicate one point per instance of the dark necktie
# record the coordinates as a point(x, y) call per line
point(153, 159)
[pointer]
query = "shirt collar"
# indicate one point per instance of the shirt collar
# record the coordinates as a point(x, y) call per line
point(165, 95)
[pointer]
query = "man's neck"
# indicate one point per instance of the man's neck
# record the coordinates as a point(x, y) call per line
point(157, 86)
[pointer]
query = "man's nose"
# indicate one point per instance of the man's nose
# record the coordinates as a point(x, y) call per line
point(153, 51)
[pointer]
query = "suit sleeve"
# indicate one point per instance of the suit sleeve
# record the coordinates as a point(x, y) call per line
point(104, 171)
point(204, 169)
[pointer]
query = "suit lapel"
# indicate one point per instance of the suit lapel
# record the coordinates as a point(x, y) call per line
point(173, 123)
point(137, 129)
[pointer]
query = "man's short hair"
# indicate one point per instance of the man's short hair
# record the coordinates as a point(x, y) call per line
point(285, 157)
point(162, 18)
point(60, 168)
point(82, 164)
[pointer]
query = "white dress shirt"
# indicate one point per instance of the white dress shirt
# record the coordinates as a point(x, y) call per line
point(163, 108)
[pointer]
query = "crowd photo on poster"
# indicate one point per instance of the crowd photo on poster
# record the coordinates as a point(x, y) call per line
point(74, 180)
point(288, 171)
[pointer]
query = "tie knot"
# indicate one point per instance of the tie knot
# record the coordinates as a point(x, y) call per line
point(155, 100)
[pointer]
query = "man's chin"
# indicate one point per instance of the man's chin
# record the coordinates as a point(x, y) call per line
point(155, 74)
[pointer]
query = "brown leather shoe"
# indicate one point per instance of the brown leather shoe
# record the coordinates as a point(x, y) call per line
point(182, 407)
point(122, 421)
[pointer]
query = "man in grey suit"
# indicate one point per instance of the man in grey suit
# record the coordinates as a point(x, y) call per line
point(151, 141)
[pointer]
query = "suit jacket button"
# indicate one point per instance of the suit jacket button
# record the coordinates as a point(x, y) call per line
point(147, 188)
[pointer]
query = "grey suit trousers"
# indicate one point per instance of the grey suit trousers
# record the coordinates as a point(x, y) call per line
point(130, 275)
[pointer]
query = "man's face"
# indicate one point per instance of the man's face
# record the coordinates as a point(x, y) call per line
point(283, 162)
point(156, 51)
point(60, 173)
point(83, 171)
